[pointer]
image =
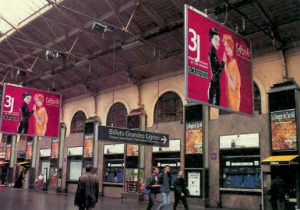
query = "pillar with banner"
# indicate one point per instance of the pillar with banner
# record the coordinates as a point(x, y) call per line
point(9, 156)
point(90, 145)
point(284, 160)
point(62, 135)
point(135, 157)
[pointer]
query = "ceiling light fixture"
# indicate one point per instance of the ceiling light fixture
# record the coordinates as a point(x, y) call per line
point(131, 45)
point(98, 27)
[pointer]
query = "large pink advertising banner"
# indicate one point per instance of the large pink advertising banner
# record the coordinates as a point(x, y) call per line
point(30, 112)
point(217, 64)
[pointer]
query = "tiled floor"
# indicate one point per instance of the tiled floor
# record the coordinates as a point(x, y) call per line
point(13, 199)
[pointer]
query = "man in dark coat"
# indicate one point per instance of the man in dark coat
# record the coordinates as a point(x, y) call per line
point(215, 66)
point(87, 191)
point(23, 126)
point(180, 191)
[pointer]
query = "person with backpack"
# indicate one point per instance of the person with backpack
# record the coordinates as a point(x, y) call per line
point(153, 185)
point(180, 191)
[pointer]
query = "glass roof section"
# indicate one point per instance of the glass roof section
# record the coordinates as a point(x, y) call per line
point(17, 13)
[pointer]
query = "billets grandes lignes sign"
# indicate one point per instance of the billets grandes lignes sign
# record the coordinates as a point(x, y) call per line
point(128, 136)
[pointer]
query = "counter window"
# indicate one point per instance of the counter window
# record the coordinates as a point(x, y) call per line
point(240, 162)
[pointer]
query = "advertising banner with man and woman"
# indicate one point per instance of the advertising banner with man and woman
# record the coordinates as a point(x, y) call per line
point(217, 64)
point(31, 112)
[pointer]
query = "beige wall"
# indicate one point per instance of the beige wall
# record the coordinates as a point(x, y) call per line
point(293, 64)
point(267, 70)
point(70, 108)
point(149, 93)
point(129, 96)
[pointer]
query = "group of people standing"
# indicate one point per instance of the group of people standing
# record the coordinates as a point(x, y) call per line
point(162, 184)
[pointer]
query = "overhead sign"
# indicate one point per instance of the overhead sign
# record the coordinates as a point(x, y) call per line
point(217, 64)
point(30, 112)
point(132, 136)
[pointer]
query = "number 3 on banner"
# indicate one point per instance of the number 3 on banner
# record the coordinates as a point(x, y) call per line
point(9, 103)
point(195, 44)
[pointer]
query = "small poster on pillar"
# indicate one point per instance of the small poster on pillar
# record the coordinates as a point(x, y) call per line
point(88, 146)
point(28, 150)
point(132, 150)
point(7, 152)
point(30, 112)
point(284, 132)
point(194, 136)
point(54, 148)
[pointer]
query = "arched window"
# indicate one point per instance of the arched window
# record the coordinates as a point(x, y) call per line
point(168, 108)
point(257, 98)
point(77, 123)
point(117, 115)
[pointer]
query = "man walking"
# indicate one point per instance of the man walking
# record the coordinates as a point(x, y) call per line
point(152, 183)
point(166, 182)
point(87, 191)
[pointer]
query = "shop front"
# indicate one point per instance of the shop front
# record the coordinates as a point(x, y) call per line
point(283, 163)
point(114, 170)
point(45, 163)
point(240, 170)
point(285, 167)
point(74, 168)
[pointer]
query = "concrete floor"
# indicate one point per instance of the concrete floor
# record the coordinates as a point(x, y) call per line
point(13, 199)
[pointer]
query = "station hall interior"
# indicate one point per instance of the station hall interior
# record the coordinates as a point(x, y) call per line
point(122, 64)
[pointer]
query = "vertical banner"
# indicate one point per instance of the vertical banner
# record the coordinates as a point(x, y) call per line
point(54, 148)
point(284, 133)
point(7, 151)
point(217, 64)
point(194, 137)
point(29, 150)
point(30, 112)
point(88, 145)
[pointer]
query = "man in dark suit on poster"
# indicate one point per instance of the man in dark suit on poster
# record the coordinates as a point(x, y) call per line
point(25, 113)
point(215, 66)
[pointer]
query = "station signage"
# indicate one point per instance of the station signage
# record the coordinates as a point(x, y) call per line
point(128, 136)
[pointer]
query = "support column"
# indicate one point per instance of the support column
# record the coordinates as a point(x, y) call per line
point(33, 172)
point(298, 187)
point(205, 176)
point(141, 154)
point(12, 161)
point(96, 146)
point(62, 135)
